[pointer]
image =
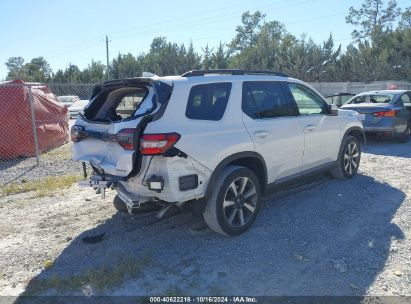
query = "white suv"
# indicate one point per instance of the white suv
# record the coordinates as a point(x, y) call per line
point(217, 139)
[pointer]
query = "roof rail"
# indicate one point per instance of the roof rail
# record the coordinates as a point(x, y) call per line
point(232, 72)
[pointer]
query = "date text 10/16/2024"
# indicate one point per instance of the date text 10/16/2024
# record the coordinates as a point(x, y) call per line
point(205, 299)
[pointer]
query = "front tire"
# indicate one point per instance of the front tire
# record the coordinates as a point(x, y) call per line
point(235, 202)
point(348, 159)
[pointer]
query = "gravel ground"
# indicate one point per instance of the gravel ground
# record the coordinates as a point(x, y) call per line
point(326, 237)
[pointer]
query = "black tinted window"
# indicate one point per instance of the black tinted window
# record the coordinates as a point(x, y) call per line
point(265, 100)
point(208, 101)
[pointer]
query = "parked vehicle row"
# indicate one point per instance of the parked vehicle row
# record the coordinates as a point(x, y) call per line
point(215, 139)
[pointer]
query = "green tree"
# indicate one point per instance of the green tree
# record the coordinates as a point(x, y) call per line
point(405, 22)
point(125, 66)
point(220, 58)
point(59, 77)
point(15, 68)
point(94, 72)
point(207, 62)
point(72, 74)
point(38, 69)
point(373, 20)
point(247, 33)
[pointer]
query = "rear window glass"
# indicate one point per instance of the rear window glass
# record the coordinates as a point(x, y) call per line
point(208, 101)
point(119, 104)
point(371, 99)
point(129, 104)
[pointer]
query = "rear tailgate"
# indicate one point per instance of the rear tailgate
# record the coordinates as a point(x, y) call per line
point(107, 135)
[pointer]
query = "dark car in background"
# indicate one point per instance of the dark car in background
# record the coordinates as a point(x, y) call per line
point(387, 113)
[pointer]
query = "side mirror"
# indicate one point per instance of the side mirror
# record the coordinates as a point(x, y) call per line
point(333, 109)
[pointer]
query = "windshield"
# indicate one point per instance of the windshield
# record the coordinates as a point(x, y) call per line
point(371, 99)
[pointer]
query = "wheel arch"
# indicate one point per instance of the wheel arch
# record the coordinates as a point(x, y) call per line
point(251, 160)
point(357, 132)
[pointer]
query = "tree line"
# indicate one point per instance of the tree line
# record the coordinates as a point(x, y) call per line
point(380, 50)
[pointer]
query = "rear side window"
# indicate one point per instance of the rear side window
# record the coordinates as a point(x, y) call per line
point(266, 100)
point(208, 101)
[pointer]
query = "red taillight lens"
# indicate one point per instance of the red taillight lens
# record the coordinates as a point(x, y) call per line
point(153, 144)
point(391, 113)
point(77, 133)
point(125, 138)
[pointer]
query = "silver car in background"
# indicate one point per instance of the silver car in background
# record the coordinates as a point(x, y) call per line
point(77, 107)
point(68, 100)
point(387, 113)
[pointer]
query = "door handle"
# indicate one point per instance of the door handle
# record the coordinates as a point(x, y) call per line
point(309, 127)
point(261, 134)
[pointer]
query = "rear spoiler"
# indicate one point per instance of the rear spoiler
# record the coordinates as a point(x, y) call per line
point(111, 84)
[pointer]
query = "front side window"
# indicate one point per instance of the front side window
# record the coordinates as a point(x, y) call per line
point(208, 101)
point(265, 100)
point(307, 101)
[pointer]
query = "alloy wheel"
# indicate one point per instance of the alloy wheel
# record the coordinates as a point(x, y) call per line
point(351, 158)
point(240, 201)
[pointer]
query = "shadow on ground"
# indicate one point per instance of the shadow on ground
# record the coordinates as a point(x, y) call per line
point(332, 239)
point(388, 147)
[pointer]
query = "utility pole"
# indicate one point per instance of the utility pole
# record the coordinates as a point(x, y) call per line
point(108, 61)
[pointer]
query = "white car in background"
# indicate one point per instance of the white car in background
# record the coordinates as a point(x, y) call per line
point(215, 139)
point(77, 107)
point(68, 100)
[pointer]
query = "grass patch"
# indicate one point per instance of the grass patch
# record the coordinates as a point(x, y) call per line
point(98, 278)
point(60, 153)
point(43, 187)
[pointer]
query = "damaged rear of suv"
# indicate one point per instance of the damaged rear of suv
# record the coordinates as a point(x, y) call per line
point(144, 168)
point(218, 139)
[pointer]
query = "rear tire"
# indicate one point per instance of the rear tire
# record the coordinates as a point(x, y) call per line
point(406, 136)
point(235, 202)
point(121, 206)
point(348, 160)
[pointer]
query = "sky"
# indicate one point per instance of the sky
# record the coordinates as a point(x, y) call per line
point(74, 31)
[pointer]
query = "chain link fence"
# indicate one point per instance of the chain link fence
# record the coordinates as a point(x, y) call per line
point(330, 88)
point(34, 137)
point(35, 125)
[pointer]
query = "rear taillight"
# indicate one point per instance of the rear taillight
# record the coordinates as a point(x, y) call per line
point(153, 144)
point(391, 113)
point(77, 133)
point(125, 138)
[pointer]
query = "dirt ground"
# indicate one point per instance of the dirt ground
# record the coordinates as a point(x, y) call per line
point(327, 237)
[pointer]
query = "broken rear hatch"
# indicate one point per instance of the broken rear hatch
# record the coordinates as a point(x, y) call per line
point(107, 133)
